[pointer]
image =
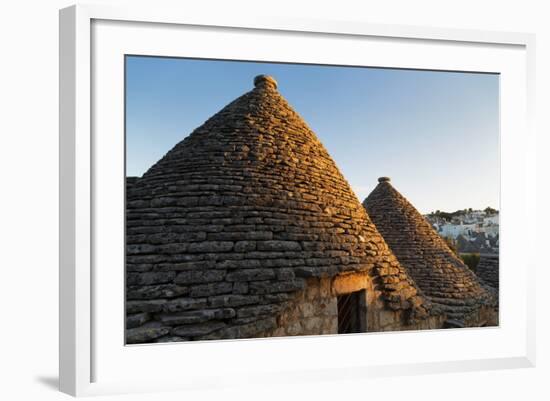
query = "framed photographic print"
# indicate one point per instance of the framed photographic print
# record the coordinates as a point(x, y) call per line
point(245, 191)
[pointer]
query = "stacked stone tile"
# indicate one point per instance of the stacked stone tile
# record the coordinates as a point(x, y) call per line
point(441, 275)
point(225, 229)
point(130, 182)
point(487, 269)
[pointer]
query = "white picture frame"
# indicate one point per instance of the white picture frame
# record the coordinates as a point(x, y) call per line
point(85, 331)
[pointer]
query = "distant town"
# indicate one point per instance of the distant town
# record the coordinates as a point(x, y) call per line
point(468, 230)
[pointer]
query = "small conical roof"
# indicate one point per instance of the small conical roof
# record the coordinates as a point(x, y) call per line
point(240, 212)
point(436, 269)
point(487, 269)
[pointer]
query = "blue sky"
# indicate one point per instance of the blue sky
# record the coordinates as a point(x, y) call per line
point(436, 134)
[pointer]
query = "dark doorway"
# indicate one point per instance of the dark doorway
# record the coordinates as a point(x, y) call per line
point(350, 313)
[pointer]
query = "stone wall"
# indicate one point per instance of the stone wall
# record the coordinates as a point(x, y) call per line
point(312, 311)
point(484, 316)
point(386, 320)
point(315, 312)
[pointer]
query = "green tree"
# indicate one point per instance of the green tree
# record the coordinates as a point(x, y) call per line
point(471, 260)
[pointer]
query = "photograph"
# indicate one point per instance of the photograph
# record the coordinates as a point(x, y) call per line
point(271, 199)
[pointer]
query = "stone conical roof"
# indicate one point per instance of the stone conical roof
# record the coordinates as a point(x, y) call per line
point(439, 273)
point(487, 269)
point(225, 227)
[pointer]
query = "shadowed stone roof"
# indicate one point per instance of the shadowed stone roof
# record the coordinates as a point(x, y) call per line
point(487, 269)
point(223, 230)
point(130, 182)
point(439, 273)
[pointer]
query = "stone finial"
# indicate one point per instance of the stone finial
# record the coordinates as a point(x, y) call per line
point(384, 179)
point(265, 79)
